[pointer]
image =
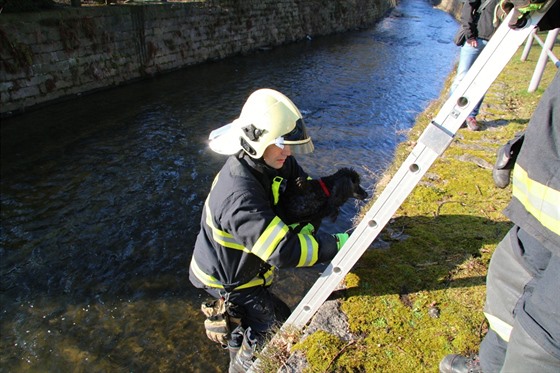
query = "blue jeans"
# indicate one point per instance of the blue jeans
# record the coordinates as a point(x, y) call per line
point(466, 60)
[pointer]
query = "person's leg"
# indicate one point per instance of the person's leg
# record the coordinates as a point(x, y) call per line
point(492, 352)
point(259, 311)
point(467, 57)
point(534, 344)
point(525, 355)
point(505, 283)
point(481, 44)
point(258, 308)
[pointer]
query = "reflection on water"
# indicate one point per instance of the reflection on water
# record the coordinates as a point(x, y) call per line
point(101, 196)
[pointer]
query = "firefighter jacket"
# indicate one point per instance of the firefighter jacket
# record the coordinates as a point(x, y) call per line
point(535, 206)
point(242, 239)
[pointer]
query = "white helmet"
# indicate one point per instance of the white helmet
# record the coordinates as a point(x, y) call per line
point(268, 117)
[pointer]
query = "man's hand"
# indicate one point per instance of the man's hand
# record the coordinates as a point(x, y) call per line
point(472, 42)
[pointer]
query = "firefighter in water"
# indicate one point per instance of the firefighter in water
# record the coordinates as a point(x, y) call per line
point(242, 239)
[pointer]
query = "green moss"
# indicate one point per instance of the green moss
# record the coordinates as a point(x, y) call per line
point(351, 280)
point(321, 350)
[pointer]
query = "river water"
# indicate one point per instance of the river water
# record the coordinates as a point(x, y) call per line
point(101, 196)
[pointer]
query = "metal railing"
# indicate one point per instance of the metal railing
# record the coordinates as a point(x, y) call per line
point(546, 54)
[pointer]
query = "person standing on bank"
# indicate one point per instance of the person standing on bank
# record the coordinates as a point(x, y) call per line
point(523, 282)
point(242, 239)
point(477, 27)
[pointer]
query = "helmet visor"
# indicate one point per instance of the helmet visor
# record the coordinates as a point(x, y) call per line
point(299, 141)
point(223, 139)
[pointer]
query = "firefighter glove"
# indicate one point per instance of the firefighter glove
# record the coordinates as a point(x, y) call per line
point(303, 229)
point(341, 239)
point(217, 323)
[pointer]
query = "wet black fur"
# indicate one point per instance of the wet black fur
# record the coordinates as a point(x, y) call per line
point(305, 201)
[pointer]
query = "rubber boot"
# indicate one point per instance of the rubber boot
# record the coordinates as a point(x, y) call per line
point(234, 344)
point(244, 357)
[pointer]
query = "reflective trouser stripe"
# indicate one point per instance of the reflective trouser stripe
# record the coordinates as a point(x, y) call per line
point(502, 328)
point(309, 250)
point(538, 199)
point(269, 239)
point(213, 282)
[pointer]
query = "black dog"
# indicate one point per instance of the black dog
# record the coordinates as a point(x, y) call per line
point(312, 200)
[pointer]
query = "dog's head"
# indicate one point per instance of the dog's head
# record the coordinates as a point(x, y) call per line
point(343, 185)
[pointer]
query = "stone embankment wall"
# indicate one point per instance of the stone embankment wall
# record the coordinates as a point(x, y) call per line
point(58, 54)
point(452, 7)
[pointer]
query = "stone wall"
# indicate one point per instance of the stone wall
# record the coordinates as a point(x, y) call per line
point(452, 7)
point(58, 54)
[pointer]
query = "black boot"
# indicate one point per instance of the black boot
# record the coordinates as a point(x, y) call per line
point(245, 356)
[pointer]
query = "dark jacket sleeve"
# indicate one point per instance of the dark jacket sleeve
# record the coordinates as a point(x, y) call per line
point(469, 18)
point(327, 247)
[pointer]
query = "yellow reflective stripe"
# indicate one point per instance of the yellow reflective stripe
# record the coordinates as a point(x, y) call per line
point(268, 277)
point(207, 280)
point(276, 183)
point(213, 282)
point(502, 328)
point(223, 238)
point(538, 199)
point(266, 280)
point(270, 238)
point(309, 250)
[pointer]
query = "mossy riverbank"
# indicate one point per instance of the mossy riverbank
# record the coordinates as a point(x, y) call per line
point(421, 296)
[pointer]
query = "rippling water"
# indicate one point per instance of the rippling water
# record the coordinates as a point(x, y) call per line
point(101, 196)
